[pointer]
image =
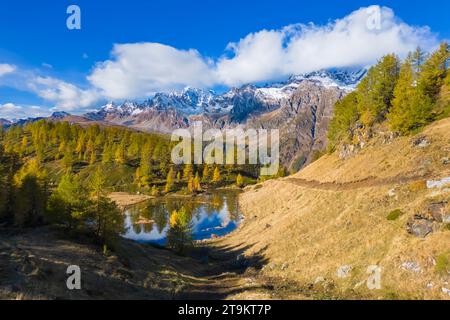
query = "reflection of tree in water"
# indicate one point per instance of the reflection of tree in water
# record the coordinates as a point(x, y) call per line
point(160, 210)
point(137, 228)
point(209, 209)
point(190, 207)
point(148, 227)
point(134, 213)
point(233, 207)
point(160, 216)
point(217, 201)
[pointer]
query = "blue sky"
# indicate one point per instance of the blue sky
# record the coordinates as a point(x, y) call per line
point(131, 49)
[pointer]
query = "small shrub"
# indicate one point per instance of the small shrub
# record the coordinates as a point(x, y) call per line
point(417, 186)
point(447, 226)
point(394, 215)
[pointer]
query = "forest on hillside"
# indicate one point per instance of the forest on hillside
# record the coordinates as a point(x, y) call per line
point(395, 95)
point(57, 173)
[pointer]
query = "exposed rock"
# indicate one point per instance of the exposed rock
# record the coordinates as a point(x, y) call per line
point(419, 227)
point(421, 142)
point(344, 271)
point(438, 183)
point(392, 193)
point(319, 279)
point(446, 291)
point(423, 224)
point(411, 266)
point(436, 211)
point(347, 150)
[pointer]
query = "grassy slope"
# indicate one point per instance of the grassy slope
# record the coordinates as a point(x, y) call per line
point(33, 265)
point(308, 225)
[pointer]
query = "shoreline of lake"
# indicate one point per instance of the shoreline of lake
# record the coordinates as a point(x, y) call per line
point(125, 199)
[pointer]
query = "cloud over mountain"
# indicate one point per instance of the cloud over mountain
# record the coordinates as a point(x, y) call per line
point(359, 39)
point(138, 70)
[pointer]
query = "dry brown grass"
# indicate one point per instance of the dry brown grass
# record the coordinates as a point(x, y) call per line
point(306, 233)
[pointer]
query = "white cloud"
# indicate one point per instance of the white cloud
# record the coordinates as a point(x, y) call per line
point(66, 96)
point(6, 68)
point(141, 69)
point(138, 70)
point(13, 111)
point(348, 42)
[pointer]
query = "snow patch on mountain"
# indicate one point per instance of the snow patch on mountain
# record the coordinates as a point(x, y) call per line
point(192, 101)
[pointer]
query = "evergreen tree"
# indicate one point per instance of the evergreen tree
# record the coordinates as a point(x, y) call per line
point(120, 156)
point(411, 107)
point(107, 154)
point(191, 185)
point(69, 204)
point(197, 184)
point(30, 197)
point(169, 181)
point(216, 176)
point(188, 171)
point(68, 160)
point(179, 236)
point(377, 88)
point(346, 116)
point(433, 72)
point(206, 173)
point(155, 191)
point(239, 181)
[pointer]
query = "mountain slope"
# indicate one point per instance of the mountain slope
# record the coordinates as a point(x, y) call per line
point(386, 205)
point(300, 108)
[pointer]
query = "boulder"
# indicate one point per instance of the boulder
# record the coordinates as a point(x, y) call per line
point(419, 227)
point(344, 271)
point(436, 211)
point(421, 142)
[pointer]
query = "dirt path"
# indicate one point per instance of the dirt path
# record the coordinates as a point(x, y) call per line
point(365, 183)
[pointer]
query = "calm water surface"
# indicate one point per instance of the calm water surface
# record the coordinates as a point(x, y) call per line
point(216, 214)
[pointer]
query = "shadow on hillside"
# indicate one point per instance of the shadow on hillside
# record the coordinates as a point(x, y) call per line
point(34, 264)
point(224, 267)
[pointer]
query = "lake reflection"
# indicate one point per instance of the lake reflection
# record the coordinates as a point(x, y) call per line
point(212, 215)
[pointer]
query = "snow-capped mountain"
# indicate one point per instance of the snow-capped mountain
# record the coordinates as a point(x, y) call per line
point(237, 102)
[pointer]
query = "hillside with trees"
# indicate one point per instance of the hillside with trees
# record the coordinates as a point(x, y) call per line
point(400, 96)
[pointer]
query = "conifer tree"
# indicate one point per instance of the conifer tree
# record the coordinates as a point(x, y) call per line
point(411, 107)
point(120, 156)
point(206, 173)
point(169, 181)
point(191, 185)
point(216, 176)
point(377, 88)
point(239, 181)
point(197, 184)
point(188, 171)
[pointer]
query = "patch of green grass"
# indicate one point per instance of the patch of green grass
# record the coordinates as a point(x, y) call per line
point(443, 263)
point(394, 215)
